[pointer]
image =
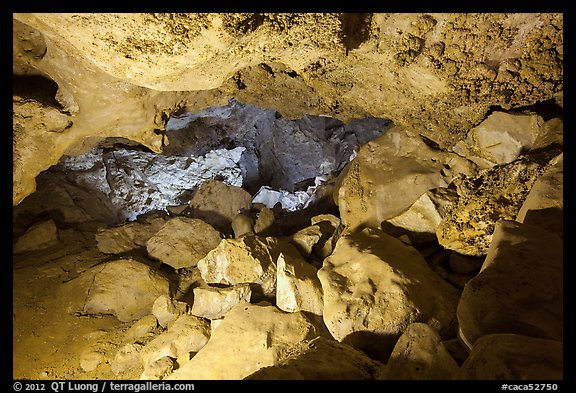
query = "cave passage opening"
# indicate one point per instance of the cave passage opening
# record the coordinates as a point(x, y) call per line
point(284, 164)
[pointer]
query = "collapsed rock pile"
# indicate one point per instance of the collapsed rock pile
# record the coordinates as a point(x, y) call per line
point(425, 275)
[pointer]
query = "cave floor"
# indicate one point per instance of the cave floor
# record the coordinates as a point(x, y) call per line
point(49, 343)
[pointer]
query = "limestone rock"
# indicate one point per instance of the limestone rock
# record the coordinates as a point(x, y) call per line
point(250, 337)
point(242, 225)
point(500, 139)
point(264, 221)
point(496, 194)
point(214, 302)
point(389, 174)
point(250, 259)
point(218, 203)
point(297, 286)
point(91, 358)
point(420, 355)
point(166, 310)
point(305, 239)
point(125, 288)
point(408, 67)
point(322, 359)
point(128, 237)
point(158, 369)
point(552, 132)
point(524, 266)
point(329, 226)
point(513, 357)
point(187, 334)
point(544, 205)
point(419, 221)
point(127, 357)
point(140, 328)
point(375, 286)
point(38, 237)
point(182, 242)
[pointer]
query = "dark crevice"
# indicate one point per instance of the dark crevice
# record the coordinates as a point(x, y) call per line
point(36, 87)
point(546, 109)
point(355, 29)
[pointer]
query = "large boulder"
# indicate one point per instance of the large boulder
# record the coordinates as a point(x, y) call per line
point(322, 359)
point(420, 354)
point(390, 173)
point(544, 205)
point(128, 237)
point(249, 338)
point(215, 302)
point(500, 139)
point(496, 194)
point(375, 286)
point(38, 237)
point(125, 288)
point(297, 286)
point(250, 259)
point(218, 203)
point(513, 357)
point(524, 266)
point(182, 242)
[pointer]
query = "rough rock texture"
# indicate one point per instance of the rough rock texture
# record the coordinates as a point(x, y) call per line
point(187, 334)
point(278, 152)
point(166, 309)
point(297, 285)
point(500, 139)
point(214, 302)
point(125, 288)
point(513, 357)
point(420, 355)
point(250, 259)
point(544, 205)
point(127, 357)
point(250, 337)
point(218, 203)
point(140, 328)
point(375, 286)
point(524, 266)
point(128, 237)
point(122, 75)
point(495, 194)
point(37, 237)
point(182, 242)
point(390, 173)
point(322, 359)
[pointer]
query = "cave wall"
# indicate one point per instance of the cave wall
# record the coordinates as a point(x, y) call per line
point(123, 75)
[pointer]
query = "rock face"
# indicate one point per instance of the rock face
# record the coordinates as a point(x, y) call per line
point(500, 139)
point(322, 359)
point(297, 286)
point(125, 288)
point(375, 286)
point(524, 265)
point(37, 237)
point(250, 259)
point(182, 242)
point(513, 357)
point(214, 302)
point(128, 237)
point(411, 68)
point(187, 334)
point(544, 205)
point(218, 203)
point(249, 338)
point(420, 355)
point(389, 174)
point(495, 194)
